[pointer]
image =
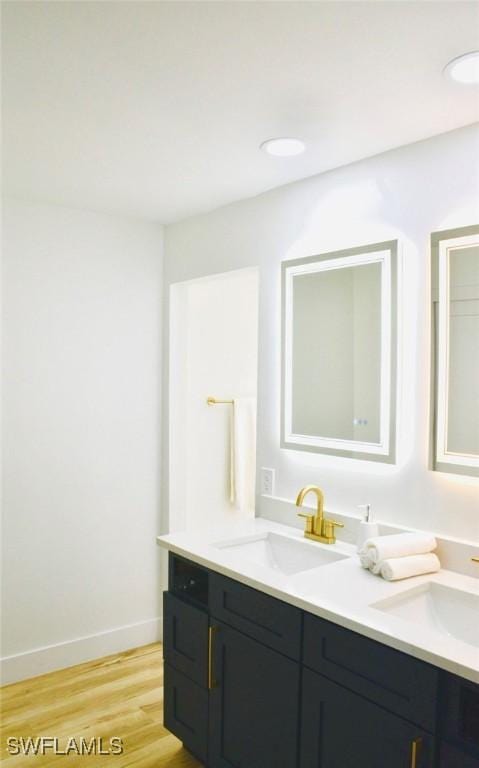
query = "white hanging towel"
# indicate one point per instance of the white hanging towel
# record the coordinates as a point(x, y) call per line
point(243, 454)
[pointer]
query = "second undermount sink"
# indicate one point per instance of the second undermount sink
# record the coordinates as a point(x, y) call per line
point(450, 611)
point(281, 553)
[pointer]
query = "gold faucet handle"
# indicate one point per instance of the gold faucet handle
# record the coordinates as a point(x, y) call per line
point(309, 521)
point(329, 526)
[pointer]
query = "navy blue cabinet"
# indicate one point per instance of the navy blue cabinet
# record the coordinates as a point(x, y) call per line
point(450, 757)
point(185, 648)
point(253, 711)
point(400, 684)
point(185, 638)
point(252, 682)
point(459, 723)
point(340, 729)
point(185, 706)
point(272, 622)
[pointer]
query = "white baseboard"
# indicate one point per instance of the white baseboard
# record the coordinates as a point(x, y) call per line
point(21, 666)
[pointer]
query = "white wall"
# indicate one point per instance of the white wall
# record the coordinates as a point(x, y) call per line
point(82, 297)
point(404, 194)
point(213, 352)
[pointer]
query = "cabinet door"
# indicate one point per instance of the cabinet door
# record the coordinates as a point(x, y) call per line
point(460, 717)
point(453, 758)
point(253, 704)
point(342, 730)
point(186, 711)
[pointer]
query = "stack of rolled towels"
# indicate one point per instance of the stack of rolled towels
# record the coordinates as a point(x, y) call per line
point(400, 555)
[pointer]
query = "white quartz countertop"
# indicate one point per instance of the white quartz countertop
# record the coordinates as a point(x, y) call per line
point(341, 592)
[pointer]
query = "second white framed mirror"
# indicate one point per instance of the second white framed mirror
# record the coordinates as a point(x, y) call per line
point(455, 347)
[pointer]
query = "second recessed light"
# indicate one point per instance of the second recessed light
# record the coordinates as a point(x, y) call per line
point(465, 68)
point(283, 147)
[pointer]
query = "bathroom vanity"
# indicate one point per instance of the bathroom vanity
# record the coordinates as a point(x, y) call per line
point(253, 681)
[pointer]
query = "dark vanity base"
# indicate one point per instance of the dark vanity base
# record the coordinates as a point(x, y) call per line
point(252, 682)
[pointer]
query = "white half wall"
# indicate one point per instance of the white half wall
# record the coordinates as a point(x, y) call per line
point(405, 194)
point(81, 404)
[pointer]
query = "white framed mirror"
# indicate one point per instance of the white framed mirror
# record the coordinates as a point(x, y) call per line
point(455, 345)
point(339, 352)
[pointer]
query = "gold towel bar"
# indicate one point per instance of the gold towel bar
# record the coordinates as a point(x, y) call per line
point(214, 401)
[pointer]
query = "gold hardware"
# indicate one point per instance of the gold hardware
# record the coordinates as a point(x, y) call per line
point(211, 679)
point(215, 401)
point(475, 559)
point(319, 495)
point(329, 526)
point(309, 522)
point(317, 527)
point(415, 749)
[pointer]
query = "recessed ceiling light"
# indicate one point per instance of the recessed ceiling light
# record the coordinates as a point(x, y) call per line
point(283, 147)
point(465, 68)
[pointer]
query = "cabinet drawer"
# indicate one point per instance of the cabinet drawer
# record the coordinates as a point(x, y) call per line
point(395, 681)
point(272, 622)
point(185, 638)
point(186, 711)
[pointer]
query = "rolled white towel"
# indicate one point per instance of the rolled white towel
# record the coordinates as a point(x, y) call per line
point(396, 545)
point(365, 560)
point(396, 568)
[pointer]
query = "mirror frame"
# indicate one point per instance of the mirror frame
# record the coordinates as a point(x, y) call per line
point(385, 253)
point(442, 460)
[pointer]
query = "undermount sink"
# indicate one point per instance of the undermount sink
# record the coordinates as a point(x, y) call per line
point(449, 611)
point(281, 553)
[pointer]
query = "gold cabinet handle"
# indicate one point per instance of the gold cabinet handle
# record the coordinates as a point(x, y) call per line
point(211, 679)
point(415, 750)
point(475, 559)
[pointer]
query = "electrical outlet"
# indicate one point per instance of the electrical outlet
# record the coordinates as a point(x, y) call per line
point(267, 481)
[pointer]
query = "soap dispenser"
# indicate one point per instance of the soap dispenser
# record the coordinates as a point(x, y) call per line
point(367, 529)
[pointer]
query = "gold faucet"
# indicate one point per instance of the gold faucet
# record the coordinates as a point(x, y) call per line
point(317, 527)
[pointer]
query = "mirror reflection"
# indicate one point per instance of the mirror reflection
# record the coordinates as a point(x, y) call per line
point(337, 352)
point(456, 330)
point(336, 355)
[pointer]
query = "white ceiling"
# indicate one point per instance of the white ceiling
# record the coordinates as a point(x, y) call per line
point(156, 109)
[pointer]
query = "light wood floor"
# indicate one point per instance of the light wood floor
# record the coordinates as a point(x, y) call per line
point(119, 695)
